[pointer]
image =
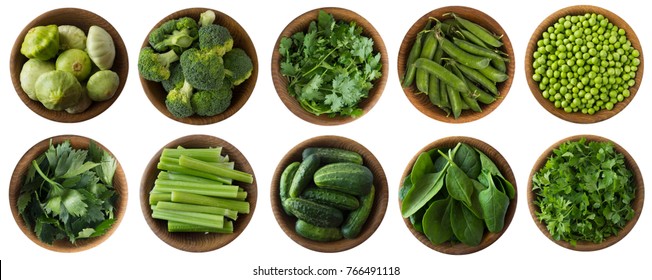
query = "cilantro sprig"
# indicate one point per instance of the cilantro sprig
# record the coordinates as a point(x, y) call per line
point(68, 193)
point(331, 67)
point(584, 192)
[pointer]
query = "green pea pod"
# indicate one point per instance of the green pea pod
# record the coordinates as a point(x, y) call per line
point(442, 73)
point(443, 96)
point(466, 35)
point(455, 100)
point(427, 51)
point(493, 74)
point(433, 91)
point(467, 96)
point(497, 59)
point(476, 76)
point(479, 31)
point(481, 95)
point(410, 69)
point(462, 56)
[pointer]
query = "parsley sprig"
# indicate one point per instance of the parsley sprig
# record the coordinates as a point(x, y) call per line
point(68, 193)
point(584, 192)
point(331, 67)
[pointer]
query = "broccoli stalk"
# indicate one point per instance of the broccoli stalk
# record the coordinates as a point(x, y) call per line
point(215, 38)
point(176, 34)
point(206, 18)
point(178, 99)
point(237, 66)
point(204, 70)
point(155, 66)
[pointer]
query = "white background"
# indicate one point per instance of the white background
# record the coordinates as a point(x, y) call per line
point(264, 130)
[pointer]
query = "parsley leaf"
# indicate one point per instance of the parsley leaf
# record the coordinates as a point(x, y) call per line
point(584, 192)
point(331, 67)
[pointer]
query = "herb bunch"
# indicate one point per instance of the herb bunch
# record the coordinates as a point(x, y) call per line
point(69, 193)
point(331, 67)
point(584, 192)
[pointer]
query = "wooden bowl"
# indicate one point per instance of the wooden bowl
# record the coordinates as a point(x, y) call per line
point(380, 200)
point(82, 19)
point(17, 179)
point(489, 237)
point(300, 24)
point(579, 117)
point(197, 242)
point(637, 203)
point(241, 93)
point(421, 101)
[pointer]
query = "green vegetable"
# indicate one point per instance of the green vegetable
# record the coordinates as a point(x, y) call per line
point(286, 180)
point(71, 37)
point(82, 104)
point(330, 67)
point(314, 213)
point(203, 69)
point(440, 72)
point(483, 34)
point(584, 192)
point(68, 193)
point(211, 102)
point(155, 66)
point(317, 233)
point(415, 52)
point(206, 18)
point(100, 47)
point(215, 38)
point(332, 155)
point(30, 72)
point(357, 218)
point(237, 66)
point(176, 78)
point(58, 90)
point(451, 195)
point(175, 34)
point(337, 199)
point(304, 175)
point(351, 178)
point(41, 42)
point(76, 62)
point(592, 72)
point(179, 101)
point(102, 85)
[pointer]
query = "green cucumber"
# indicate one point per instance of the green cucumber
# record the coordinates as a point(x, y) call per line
point(357, 218)
point(317, 233)
point(346, 177)
point(313, 212)
point(332, 155)
point(286, 181)
point(304, 175)
point(337, 199)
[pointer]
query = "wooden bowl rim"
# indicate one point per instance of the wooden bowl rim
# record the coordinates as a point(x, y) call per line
point(578, 117)
point(188, 241)
point(120, 66)
point(17, 178)
point(301, 23)
point(421, 101)
point(637, 203)
point(241, 93)
point(380, 200)
point(489, 238)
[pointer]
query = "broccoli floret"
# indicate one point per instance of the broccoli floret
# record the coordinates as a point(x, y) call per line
point(237, 66)
point(176, 77)
point(215, 38)
point(204, 70)
point(178, 101)
point(211, 102)
point(176, 34)
point(155, 66)
point(206, 18)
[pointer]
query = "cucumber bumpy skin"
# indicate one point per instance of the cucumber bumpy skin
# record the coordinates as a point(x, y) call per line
point(332, 155)
point(357, 218)
point(304, 175)
point(337, 199)
point(317, 233)
point(346, 177)
point(314, 213)
point(286, 181)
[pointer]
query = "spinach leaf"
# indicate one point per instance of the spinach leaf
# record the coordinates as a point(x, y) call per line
point(437, 221)
point(405, 188)
point(494, 205)
point(467, 159)
point(467, 228)
point(475, 199)
point(421, 166)
point(459, 185)
point(423, 190)
point(489, 166)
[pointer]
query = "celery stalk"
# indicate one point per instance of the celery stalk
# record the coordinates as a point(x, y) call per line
point(156, 197)
point(184, 170)
point(205, 154)
point(202, 166)
point(200, 219)
point(166, 205)
point(213, 189)
point(236, 205)
point(183, 227)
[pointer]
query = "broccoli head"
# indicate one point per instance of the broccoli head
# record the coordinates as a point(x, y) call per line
point(176, 77)
point(237, 66)
point(204, 70)
point(178, 99)
point(155, 66)
point(176, 34)
point(215, 38)
point(211, 102)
